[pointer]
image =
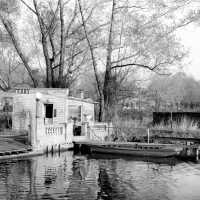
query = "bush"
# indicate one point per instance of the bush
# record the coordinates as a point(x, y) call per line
point(184, 125)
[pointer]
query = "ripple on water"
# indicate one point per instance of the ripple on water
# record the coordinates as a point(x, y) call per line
point(82, 177)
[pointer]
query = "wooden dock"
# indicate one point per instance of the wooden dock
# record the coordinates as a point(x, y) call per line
point(188, 151)
point(12, 147)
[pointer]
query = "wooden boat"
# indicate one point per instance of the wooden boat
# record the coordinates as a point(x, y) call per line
point(137, 149)
point(171, 161)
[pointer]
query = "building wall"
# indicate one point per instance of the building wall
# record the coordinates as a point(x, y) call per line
point(87, 108)
point(58, 132)
point(23, 117)
point(29, 114)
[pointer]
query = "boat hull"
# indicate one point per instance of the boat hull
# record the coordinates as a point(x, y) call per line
point(134, 152)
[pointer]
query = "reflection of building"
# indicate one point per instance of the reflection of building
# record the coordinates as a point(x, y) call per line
point(61, 176)
point(48, 115)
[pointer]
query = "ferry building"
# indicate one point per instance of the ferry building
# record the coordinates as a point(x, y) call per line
point(50, 118)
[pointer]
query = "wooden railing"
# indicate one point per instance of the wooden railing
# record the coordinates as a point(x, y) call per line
point(98, 131)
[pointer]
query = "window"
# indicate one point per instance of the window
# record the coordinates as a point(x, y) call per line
point(75, 112)
point(48, 110)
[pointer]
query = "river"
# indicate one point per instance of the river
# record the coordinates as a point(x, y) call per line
point(84, 177)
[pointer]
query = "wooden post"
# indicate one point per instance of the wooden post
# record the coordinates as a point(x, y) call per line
point(36, 120)
point(171, 119)
point(197, 154)
point(108, 130)
point(47, 150)
point(148, 135)
point(52, 150)
point(59, 149)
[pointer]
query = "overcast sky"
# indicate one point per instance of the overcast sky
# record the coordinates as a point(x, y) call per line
point(191, 39)
point(190, 36)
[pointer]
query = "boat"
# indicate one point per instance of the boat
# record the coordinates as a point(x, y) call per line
point(136, 149)
point(171, 161)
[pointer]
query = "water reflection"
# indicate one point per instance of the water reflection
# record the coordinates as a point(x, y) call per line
point(99, 177)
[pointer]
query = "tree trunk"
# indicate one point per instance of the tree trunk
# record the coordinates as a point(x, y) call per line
point(108, 79)
point(44, 46)
point(101, 109)
point(48, 62)
point(18, 49)
point(62, 45)
point(94, 63)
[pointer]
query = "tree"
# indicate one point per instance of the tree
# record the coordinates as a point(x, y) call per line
point(63, 51)
point(131, 35)
point(138, 36)
point(7, 9)
point(175, 90)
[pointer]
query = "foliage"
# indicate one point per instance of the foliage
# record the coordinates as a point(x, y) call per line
point(68, 37)
point(174, 91)
point(184, 125)
point(138, 36)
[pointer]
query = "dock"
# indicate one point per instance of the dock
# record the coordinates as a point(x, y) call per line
point(188, 151)
point(10, 147)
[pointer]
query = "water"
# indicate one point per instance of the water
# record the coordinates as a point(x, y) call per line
point(79, 177)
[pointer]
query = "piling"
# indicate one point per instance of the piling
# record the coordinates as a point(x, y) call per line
point(52, 150)
point(47, 150)
point(197, 154)
point(59, 149)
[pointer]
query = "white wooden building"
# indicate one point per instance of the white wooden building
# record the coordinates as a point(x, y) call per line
point(48, 116)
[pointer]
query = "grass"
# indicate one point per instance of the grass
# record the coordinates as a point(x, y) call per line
point(125, 130)
point(184, 125)
point(130, 130)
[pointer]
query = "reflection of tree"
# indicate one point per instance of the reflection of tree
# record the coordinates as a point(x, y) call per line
point(32, 168)
point(79, 187)
point(108, 180)
point(106, 189)
point(47, 196)
point(79, 170)
point(111, 185)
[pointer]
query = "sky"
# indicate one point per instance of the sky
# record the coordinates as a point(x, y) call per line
point(190, 38)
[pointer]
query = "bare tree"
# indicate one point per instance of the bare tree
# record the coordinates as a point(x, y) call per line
point(7, 8)
point(12, 71)
point(144, 40)
point(61, 40)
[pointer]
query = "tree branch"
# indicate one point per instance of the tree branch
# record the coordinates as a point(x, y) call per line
point(91, 51)
point(138, 65)
point(31, 9)
point(18, 48)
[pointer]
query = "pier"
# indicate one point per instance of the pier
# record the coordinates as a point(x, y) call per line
point(10, 149)
point(187, 152)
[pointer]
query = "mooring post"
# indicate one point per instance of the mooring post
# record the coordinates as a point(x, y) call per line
point(197, 154)
point(148, 135)
point(52, 150)
point(47, 150)
point(59, 149)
